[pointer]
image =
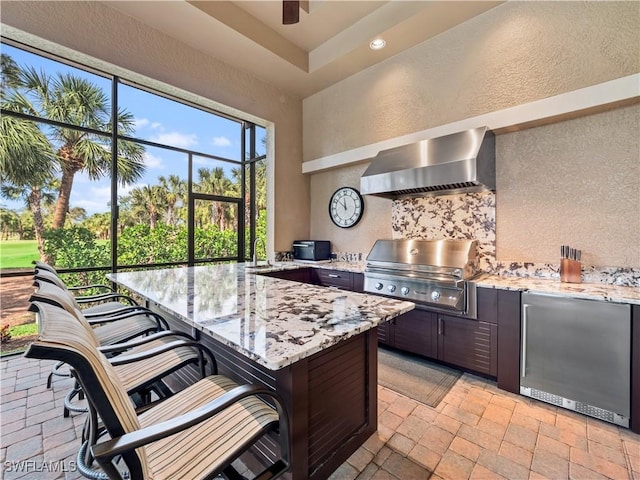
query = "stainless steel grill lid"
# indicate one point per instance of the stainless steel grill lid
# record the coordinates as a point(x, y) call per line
point(431, 272)
point(412, 254)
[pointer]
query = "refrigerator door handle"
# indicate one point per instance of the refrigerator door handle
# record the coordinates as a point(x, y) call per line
point(523, 367)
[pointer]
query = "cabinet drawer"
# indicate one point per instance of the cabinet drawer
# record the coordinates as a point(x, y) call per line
point(333, 278)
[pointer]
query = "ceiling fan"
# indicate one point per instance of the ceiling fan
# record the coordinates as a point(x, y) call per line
point(290, 12)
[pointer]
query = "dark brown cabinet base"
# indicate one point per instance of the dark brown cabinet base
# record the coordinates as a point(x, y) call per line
point(462, 342)
point(331, 398)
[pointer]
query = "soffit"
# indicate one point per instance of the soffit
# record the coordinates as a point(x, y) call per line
point(329, 44)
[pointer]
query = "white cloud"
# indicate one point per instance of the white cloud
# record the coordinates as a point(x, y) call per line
point(92, 206)
point(140, 122)
point(176, 139)
point(153, 161)
point(94, 199)
point(156, 125)
point(221, 142)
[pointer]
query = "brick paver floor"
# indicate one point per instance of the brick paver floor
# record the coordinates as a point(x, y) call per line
point(477, 432)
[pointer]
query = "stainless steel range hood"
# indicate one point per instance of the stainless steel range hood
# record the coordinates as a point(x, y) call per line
point(456, 163)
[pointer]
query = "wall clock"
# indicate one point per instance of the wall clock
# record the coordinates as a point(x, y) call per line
point(346, 207)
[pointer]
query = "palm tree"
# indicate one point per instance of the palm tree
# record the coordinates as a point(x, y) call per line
point(10, 72)
point(27, 161)
point(216, 183)
point(99, 224)
point(73, 100)
point(175, 191)
point(9, 222)
point(150, 200)
point(33, 195)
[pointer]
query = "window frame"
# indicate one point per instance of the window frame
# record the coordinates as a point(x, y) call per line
point(248, 158)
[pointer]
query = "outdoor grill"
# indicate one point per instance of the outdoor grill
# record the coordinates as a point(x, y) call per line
point(435, 274)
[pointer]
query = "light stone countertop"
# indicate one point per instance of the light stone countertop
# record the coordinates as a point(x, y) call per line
point(592, 291)
point(272, 321)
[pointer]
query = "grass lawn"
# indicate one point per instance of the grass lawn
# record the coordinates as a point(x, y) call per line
point(18, 253)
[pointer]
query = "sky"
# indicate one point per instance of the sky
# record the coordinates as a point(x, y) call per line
point(156, 119)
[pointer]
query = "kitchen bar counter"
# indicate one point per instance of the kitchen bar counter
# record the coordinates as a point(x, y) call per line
point(271, 321)
point(592, 291)
point(315, 346)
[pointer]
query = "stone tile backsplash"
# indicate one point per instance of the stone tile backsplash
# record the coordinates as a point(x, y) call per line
point(465, 216)
point(472, 216)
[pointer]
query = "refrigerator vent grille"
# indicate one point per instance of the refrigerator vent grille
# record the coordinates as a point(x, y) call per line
point(596, 412)
point(546, 397)
point(584, 408)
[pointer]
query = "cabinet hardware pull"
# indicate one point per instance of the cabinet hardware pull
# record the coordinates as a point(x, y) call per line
point(333, 275)
point(440, 326)
point(523, 367)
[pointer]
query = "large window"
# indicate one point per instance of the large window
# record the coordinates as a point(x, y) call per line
point(99, 173)
point(63, 169)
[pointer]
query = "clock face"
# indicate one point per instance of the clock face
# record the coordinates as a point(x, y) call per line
point(346, 207)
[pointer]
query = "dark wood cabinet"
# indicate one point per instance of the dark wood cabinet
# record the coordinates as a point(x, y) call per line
point(332, 278)
point(384, 333)
point(635, 368)
point(325, 277)
point(487, 305)
point(466, 343)
point(509, 340)
point(469, 344)
point(413, 332)
point(297, 275)
point(358, 282)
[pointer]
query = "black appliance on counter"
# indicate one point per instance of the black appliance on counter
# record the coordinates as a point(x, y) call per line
point(435, 274)
point(313, 250)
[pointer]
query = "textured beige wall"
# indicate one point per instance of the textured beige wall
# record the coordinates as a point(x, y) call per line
point(574, 183)
point(513, 54)
point(103, 33)
point(375, 222)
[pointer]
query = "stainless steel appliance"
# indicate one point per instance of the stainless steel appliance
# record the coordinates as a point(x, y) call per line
point(576, 354)
point(456, 163)
point(313, 250)
point(432, 273)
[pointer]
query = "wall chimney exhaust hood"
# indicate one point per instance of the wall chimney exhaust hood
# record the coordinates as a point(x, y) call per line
point(457, 163)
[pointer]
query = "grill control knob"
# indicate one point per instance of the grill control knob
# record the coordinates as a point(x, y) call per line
point(435, 295)
point(378, 286)
point(391, 288)
point(404, 290)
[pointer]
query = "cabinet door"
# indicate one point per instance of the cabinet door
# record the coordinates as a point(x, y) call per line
point(509, 340)
point(467, 343)
point(332, 278)
point(384, 333)
point(297, 275)
point(415, 332)
point(358, 282)
point(487, 304)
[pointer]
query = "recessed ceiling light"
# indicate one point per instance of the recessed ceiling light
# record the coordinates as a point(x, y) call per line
point(377, 44)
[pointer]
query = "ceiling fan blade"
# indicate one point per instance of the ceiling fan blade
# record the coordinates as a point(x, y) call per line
point(290, 12)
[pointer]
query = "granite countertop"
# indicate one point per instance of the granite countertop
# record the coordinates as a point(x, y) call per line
point(356, 267)
point(593, 291)
point(272, 321)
